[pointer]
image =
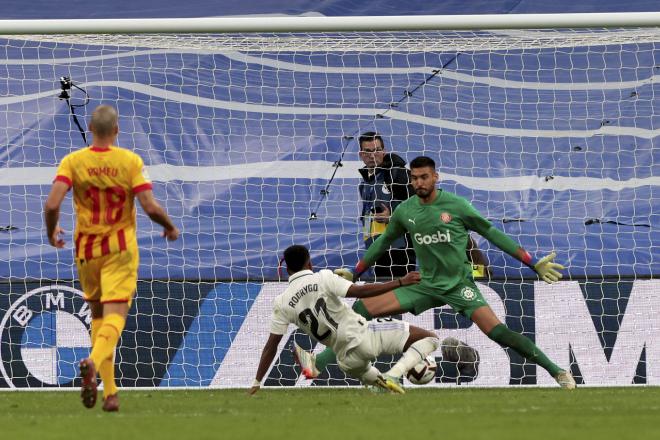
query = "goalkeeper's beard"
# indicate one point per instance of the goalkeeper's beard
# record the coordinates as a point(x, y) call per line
point(423, 193)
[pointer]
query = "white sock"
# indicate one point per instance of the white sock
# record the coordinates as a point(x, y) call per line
point(415, 353)
point(369, 378)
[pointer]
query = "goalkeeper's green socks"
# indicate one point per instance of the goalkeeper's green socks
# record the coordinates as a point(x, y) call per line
point(523, 346)
point(328, 356)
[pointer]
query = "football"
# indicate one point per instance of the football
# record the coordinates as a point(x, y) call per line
point(423, 372)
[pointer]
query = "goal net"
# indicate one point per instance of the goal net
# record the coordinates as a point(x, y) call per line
point(252, 143)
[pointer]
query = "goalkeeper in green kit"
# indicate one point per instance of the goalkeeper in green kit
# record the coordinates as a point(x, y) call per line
point(439, 223)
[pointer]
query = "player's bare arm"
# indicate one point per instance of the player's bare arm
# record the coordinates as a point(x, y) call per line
point(374, 289)
point(157, 214)
point(267, 356)
point(52, 213)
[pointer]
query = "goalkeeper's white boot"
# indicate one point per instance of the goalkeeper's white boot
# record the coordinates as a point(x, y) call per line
point(306, 360)
point(565, 380)
point(390, 384)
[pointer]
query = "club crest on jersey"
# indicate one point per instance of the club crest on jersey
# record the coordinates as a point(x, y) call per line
point(43, 335)
point(445, 217)
point(468, 293)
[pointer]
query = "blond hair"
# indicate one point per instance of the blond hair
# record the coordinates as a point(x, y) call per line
point(104, 121)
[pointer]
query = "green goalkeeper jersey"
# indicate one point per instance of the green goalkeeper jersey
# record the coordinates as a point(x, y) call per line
point(440, 232)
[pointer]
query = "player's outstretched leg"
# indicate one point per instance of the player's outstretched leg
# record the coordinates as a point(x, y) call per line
point(485, 318)
point(421, 343)
point(526, 348)
point(88, 390)
point(306, 361)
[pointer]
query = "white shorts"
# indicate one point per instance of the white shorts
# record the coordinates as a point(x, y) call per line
point(383, 336)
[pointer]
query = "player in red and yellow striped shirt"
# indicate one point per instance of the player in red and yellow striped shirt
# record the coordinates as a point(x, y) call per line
point(106, 180)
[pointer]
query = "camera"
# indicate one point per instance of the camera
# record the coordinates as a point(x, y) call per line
point(65, 85)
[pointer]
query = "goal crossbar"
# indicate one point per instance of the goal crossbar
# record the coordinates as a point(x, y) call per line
point(330, 24)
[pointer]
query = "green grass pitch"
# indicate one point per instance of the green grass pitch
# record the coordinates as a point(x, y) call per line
point(340, 414)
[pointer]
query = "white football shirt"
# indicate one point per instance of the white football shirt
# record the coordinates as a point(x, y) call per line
point(313, 302)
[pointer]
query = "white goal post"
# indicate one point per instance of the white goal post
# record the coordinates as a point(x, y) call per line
point(249, 127)
point(332, 24)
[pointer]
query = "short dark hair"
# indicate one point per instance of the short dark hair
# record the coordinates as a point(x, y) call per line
point(296, 257)
point(371, 136)
point(422, 162)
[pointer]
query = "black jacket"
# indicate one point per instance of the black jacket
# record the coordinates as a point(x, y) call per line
point(394, 176)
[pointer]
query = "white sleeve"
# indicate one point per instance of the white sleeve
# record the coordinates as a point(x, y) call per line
point(334, 284)
point(278, 322)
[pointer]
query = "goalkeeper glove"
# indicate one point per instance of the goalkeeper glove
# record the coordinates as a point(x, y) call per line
point(352, 275)
point(345, 273)
point(548, 270)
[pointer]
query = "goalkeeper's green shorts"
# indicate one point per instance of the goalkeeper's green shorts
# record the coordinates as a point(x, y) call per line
point(464, 298)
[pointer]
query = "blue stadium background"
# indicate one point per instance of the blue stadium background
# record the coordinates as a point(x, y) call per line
point(235, 229)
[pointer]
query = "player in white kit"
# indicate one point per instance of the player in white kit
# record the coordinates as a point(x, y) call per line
point(313, 302)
